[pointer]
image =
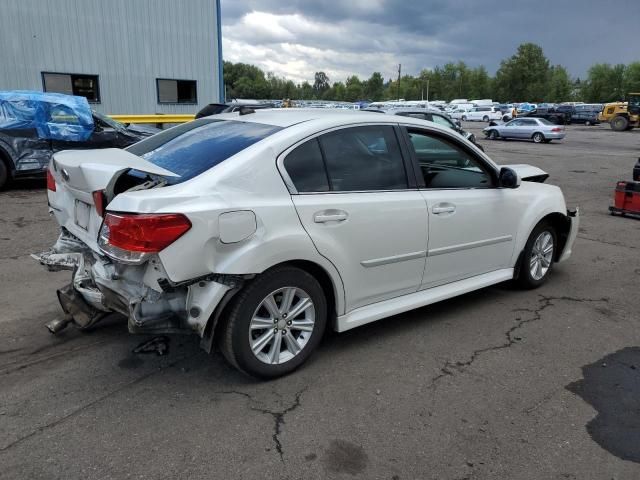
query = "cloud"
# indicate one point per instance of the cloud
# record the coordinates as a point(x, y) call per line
point(296, 38)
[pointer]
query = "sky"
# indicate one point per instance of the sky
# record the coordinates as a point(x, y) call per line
point(296, 38)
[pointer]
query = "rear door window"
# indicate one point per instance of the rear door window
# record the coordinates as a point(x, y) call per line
point(193, 148)
point(363, 159)
point(306, 168)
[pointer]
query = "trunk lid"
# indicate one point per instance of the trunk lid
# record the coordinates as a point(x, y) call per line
point(79, 173)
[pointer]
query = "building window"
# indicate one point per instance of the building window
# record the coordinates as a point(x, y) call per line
point(72, 84)
point(176, 91)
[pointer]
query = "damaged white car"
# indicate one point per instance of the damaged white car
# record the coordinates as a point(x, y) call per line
point(257, 230)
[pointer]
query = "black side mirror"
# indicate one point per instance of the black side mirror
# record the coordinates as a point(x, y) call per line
point(508, 178)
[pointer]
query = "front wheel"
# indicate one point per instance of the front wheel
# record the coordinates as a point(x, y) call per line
point(464, 118)
point(493, 135)
point(587, 123)
point(538, 137)
point(537, 258)
point(275, 323)
point(485, 119)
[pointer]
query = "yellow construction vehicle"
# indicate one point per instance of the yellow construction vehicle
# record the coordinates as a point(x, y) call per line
point(622, 115)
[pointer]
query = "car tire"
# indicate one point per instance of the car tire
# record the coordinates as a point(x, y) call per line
point(464, 118)
point(538, 137)
point(587, 123)
point(4, 174)
point(537, 261)
point(485, 119)
point(494, 135)
point(246, 331)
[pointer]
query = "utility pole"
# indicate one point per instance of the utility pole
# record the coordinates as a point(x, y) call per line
point(427, 90)
point(399, 72)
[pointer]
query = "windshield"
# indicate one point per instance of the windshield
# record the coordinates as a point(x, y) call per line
point(193, 148)
point(109, 121)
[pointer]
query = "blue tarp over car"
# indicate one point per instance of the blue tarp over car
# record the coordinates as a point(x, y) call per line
point(54, 116)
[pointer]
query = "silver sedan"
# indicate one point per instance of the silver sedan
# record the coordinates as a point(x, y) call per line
point(537, 129)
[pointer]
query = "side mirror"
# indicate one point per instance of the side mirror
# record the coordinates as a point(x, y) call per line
point(508, 178)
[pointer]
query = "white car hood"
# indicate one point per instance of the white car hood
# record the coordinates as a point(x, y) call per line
point(528, 172)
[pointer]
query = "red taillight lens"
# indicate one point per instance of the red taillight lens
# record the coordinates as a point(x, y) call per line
point(100, 201)
point(147, 233)
point(556, 129)
point(51, 182)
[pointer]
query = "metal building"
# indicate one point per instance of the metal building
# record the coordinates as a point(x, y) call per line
point(125, 56)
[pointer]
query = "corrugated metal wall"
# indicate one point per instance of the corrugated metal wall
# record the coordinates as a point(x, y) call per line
point(127, 43)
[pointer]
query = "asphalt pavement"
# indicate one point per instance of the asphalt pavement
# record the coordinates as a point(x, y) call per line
point(500, 383)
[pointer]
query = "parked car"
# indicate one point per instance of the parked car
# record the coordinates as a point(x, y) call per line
point(506, 111)
point(550, 114)
point(537, 129)
point(35, 125)
point(216, 108)
point(461, 112)
point(431, 116)
point(588, 117)
point(258, 231)
point(484, 114)
point(567, 110)
point(636, 171)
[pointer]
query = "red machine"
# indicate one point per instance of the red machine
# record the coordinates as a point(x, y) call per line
point(626, 199)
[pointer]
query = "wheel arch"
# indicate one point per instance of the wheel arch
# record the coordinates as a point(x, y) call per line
point(562, 226)
point(331, 289)
point(536, 132)
point(7, 159)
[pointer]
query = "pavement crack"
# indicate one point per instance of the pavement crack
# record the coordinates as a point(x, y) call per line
point(615, 244)
point(89, 405)
point(450, 368)
point(277, 415)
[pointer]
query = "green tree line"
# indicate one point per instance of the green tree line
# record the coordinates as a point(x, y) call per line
point(525, 76)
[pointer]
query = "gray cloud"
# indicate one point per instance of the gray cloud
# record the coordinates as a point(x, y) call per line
point(295, 38)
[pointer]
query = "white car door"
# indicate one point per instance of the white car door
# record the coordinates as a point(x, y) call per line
point(472, 223)
point(355, 200)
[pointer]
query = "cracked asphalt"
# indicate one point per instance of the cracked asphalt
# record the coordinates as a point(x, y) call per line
point(471, 388)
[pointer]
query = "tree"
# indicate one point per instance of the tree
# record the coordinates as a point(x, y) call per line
point(524, 76)
point(560, 85)
point(605, 83)
point(354, 90)
point(374, 89)
point(321, 83)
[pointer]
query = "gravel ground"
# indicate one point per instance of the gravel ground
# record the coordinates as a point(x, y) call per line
point(499, 383)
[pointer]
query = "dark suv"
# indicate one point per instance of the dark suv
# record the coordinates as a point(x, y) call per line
point(552, 114)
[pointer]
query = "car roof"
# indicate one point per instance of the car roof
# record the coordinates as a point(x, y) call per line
point(286, 117)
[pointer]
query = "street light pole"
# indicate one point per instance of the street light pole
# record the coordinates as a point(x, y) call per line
point(399, 72)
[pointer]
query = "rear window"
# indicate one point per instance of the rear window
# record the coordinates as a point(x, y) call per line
point(544, 121)
point(193, 148)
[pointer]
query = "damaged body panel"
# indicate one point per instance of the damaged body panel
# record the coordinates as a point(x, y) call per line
point(100, 286)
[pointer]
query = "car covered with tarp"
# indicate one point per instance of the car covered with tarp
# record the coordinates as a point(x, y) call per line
point(35, 125)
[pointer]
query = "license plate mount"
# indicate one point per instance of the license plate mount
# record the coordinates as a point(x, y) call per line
point(82, 213)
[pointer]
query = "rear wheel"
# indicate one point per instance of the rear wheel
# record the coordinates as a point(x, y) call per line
point(485, 118)
point(538, 137)
point(537, 258)
point(275, 323)
point(619, 123)
point(494, 135)
point(4, 174)
point(587, 123)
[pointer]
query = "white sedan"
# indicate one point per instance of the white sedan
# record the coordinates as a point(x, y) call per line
point(258, 230)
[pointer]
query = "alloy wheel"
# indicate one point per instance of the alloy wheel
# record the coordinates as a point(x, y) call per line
point(541, 255)
point(282, 325)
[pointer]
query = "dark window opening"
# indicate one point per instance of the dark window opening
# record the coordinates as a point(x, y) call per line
point(177, 91)
point(194, 147)
point(72, 84)
point(305, 167)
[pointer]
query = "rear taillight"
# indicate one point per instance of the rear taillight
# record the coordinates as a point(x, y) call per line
point(131, 237)
point(51, 182)
point(100, 201)
point(556, 129)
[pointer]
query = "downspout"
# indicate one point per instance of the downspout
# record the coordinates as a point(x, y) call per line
point(221, 91)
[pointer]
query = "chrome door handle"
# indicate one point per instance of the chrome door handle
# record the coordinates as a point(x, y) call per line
point(438, 209)
point(330, 216)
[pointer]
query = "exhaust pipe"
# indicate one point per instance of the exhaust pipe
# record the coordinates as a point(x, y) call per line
point(59, 324)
